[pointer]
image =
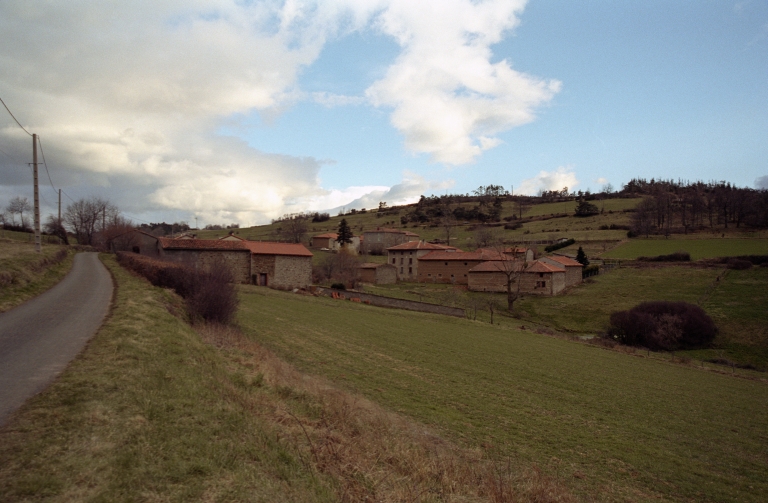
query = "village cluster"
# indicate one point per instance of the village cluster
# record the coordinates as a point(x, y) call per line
point(408, 259)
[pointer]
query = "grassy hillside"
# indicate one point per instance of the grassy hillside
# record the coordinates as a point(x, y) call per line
point(25, 274)
point(699, 247)
point(609, 425)
point(154, 411)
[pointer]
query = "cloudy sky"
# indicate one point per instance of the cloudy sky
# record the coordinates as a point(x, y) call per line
point(241, 111)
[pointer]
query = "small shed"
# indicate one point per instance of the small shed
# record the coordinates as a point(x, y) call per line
point(378, 274)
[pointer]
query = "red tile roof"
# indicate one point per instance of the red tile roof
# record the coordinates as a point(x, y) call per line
point(268, 248)
point(327, 235)
point(539, 266)
point(567, 261)
point(498, 266)
point(255, 247)
point(229, 236)
point(421, 245)
point(372, 265)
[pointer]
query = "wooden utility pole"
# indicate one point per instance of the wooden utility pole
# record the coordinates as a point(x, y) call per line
point(38, 247)
point(58, 222)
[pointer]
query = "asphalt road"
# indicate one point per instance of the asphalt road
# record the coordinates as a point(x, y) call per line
point(39, 338)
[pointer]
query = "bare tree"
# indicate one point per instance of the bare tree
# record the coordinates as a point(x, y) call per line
point(86, 217)
point(18, 205)
point(53, 226)
point(293, 227)
point(448, 222)
point(486, 237)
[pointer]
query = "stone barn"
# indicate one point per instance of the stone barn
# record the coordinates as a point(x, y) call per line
point(491, 276)
point(541, 278)
point(280, 265)
point(572, 268)
point(377, 274)
point(405, 257)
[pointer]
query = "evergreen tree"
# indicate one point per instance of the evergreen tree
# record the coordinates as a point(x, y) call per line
point(581, 257)
point(345, 233)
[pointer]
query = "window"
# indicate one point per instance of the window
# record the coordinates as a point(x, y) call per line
point(401, 260)
point(410, 270)
point(439, 275)
point(541, 274)
point(465, 263)
point(401, 270)
point(394, 260)
point(429, 275)
point(446, 263)
point(410, 261)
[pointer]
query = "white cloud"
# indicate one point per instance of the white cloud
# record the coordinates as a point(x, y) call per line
point(406, 192)
point(336, 100)
point(448, 98)
point(563, 176)
point(127, 96)
point(601, 180)
point(762, 183)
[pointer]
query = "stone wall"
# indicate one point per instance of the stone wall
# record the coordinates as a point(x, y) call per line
point(446, 271)
point(386, 275)
point(292, 272)
point(260, 265)
point(487, 281)
point(410, 305)
point(554, 283)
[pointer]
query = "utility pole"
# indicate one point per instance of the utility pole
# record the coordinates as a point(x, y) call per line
point(38, 247)
point(58, 222)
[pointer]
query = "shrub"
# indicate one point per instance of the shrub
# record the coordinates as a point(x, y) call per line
point(678, 256)
point(209, 294)
point(513, 227)
point(739, 264)
point(339, 286)
point(663, 325)
point(212, 295)
point(557, 246)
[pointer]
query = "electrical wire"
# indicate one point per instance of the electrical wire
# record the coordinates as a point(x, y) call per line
point(40, 142)
point(14, 118)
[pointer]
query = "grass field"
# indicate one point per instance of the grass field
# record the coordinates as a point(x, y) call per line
point(24, 273)
point(698, 247)
point(611, 426)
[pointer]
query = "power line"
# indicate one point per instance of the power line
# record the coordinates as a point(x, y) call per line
point(14, 118)
point(40, 142)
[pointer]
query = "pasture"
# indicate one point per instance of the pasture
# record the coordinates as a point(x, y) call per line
point(699, 248)
point(612, 427)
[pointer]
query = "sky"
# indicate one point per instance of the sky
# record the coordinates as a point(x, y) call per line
point(242, 111)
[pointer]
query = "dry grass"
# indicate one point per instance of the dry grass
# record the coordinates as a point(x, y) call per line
point(371, 453)
point(25, 274)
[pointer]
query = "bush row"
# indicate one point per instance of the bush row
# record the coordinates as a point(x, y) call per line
point(209, 294)
point(678, 256)
point(557, 246)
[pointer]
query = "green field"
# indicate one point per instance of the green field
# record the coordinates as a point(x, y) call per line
point(699, 248)
point(611, 426)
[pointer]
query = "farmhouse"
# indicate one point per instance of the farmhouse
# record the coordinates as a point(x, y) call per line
point(541, 278)
point(492, 276)
point(378, 274)
point(452, 266)
point(406, 257)
point(376, 242)
point(573, 269)
point(277, 265)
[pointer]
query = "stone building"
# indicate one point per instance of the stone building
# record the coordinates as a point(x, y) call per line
point(451, 266)
point(492, 276)
point(541, 278)
point(405, 257)
point(277, 265)
point(376, 242)
point(378, 274)
point(573, 269)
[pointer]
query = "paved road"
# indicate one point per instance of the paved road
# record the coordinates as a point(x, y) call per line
point(39, 338)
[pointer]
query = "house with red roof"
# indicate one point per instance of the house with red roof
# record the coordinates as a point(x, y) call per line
point(377, 241)
point(573, 269)
point(542, 278)
point(277, 265)
point(492, 275)
point(453, 267)
point(405, 257)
